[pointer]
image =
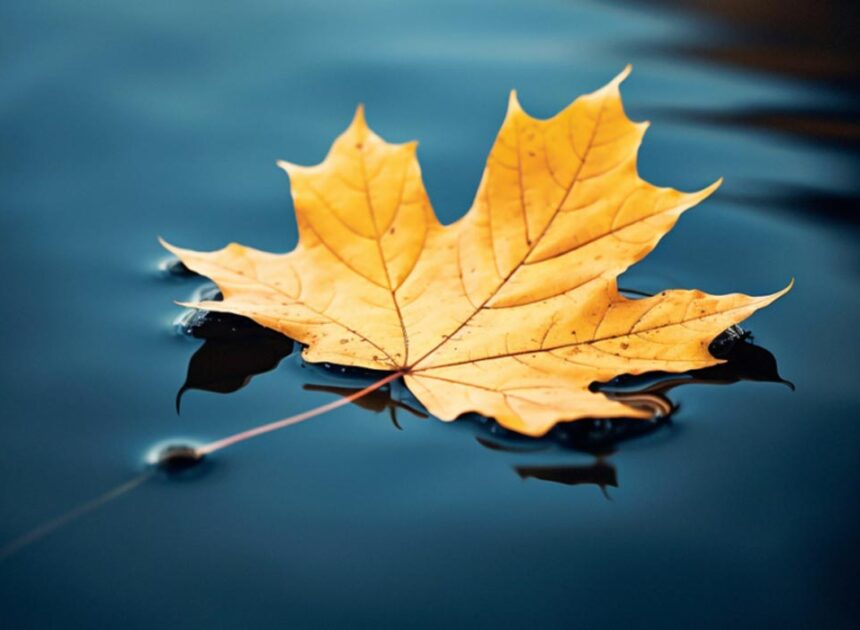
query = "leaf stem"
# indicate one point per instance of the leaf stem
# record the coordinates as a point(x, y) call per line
point(217, 445)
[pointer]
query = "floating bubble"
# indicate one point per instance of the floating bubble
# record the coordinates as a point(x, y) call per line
point(178, 457)
point(174, 456)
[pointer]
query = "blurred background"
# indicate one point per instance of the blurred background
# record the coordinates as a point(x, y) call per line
point(122, 121)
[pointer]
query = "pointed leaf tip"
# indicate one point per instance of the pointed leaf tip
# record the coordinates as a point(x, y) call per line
point(773, 297)
point(359, 119)
point(613, 87)
point(782, 291)
point(707, 191)
point(514, 102)
point(285, 166)
point(171, 248)
point(616, 82)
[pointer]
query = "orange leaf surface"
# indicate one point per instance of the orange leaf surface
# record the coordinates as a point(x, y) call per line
point(512, 311)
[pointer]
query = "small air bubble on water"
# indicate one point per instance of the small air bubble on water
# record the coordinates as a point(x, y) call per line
point(174, 457)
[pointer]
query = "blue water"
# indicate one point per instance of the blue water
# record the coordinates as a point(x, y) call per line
point(122, 121)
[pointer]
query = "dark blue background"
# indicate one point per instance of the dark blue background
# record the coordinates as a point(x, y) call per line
point(120, 121)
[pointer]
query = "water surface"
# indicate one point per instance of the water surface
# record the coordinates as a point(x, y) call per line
point(123, 121)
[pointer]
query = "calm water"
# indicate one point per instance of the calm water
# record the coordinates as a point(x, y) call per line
point(121, 121)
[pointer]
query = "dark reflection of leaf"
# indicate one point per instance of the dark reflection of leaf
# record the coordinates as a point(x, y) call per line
point(235, 349)
point(597, 437)
point(376, 401)
point(598, 473)
point(744, 361)
point(495, 446)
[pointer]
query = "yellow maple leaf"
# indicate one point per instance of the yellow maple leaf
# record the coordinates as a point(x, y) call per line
point(512, 311)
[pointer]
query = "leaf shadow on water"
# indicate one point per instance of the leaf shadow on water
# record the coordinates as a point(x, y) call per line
point(236, 349)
